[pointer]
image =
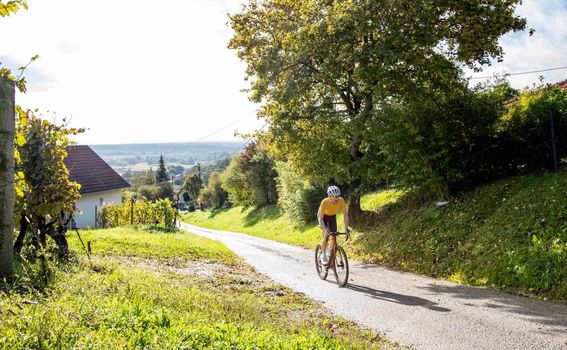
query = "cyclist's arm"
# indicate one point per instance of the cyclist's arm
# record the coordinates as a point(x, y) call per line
point(345, 216)
point(320, 219)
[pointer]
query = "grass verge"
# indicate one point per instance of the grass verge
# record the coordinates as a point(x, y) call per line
point(134, 298)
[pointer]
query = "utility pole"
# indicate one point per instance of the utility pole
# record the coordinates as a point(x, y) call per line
point(199, 170)
point(7, 187)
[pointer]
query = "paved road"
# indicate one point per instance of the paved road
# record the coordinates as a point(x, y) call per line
point(412, 310)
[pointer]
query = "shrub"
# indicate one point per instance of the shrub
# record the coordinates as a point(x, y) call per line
point(250, 179)
point(214, 195)
point(144, 212)
point(298, 198)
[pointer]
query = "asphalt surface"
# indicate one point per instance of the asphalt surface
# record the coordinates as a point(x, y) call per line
point(414, 311)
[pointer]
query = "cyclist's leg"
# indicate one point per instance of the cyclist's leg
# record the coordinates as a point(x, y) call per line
point(331, 223)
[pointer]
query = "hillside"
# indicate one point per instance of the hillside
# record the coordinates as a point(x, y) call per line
point(509, 235)
point(142, 156)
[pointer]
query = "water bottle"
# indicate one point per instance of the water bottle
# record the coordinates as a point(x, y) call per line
point(328, 253)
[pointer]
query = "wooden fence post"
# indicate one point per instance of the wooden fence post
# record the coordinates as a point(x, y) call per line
point(7, 190)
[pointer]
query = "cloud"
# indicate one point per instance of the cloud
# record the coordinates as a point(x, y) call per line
point(547, 48)
point(37, 79)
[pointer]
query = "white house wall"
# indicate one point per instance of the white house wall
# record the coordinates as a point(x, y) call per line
point(87, 203)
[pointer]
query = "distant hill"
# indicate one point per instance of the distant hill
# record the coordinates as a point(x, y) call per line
point(140, 156)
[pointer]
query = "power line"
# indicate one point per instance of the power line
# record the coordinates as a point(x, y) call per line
point(518, 73)
point(249, 140)
point(214, 132)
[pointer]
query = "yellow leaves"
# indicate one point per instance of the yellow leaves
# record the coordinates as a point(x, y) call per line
point(19, 192)
point(23, 117)
point(20, 139)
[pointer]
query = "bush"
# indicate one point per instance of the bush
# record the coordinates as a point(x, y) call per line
point(214, 195)
point(155, 192)
point(234, 182)
point(145, 213)
point(526, 128)
point(250, 179)
point(298, 198)
point(471, 137)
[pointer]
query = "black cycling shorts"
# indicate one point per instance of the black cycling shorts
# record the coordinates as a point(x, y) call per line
point(330, 222)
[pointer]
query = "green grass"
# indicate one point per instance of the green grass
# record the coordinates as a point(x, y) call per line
point(147, 242)
point(267, 222)
point(509, 235)
point(375, 201)
point(132, 298)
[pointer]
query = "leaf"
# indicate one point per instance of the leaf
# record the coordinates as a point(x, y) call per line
point(20, 139)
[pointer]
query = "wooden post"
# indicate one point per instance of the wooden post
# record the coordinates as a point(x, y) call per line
point(7, 190)
point(132, 211)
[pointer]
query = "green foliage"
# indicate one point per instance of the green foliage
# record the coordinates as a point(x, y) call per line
point(324, 71)
point(443, 142)
point(143, 178)
point(297, 197)
point(214, 195)
point(46, 189)
point(192, 186)
point(145, 212)
point(525, 129)
point(161, 174)
point(262, 176)
point(154, 192)
point(250, 178)
point(234, 182)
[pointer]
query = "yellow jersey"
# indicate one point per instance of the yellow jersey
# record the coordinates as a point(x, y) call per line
point(330, 209)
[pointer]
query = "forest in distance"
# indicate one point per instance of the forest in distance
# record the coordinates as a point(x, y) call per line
point(142, 156)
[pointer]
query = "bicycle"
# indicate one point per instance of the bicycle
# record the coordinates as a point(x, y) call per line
point(337, 261)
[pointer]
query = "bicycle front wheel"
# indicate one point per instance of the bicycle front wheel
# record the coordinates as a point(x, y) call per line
point(321, 269)
point(340, 267)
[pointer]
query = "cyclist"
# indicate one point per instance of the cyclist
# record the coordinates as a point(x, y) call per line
point(328, 210)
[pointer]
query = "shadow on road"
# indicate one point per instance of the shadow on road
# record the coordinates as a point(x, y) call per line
point(546, 313)
point(396, 298)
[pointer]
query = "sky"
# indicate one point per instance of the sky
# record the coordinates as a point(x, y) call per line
point(135, 71)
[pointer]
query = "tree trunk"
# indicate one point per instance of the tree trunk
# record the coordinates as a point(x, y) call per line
point(24, 225)
point(354, 209)
point(7, 190)
point(60, 238)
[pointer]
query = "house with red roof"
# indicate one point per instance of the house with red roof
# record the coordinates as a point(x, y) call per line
point(100, 184)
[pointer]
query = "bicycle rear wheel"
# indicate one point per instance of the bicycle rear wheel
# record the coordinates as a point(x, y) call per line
point(340, 267)
point(321, 269)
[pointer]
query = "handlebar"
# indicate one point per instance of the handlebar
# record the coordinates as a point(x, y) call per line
point(338, 233)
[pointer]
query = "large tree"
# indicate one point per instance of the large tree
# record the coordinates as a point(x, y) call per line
point(322, 69)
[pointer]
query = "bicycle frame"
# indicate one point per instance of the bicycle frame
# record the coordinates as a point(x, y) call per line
point(332, 243)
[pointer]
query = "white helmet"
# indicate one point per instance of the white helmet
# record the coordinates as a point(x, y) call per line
point(333, 191)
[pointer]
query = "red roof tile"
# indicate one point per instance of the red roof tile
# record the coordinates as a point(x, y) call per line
point(563, 84)
point(91, 171)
